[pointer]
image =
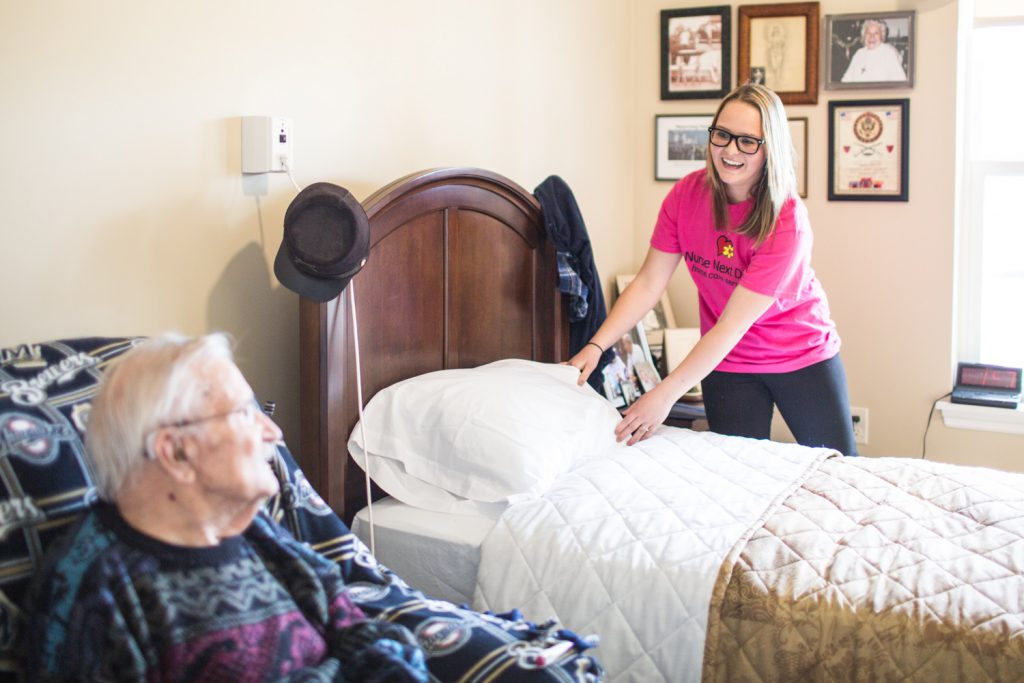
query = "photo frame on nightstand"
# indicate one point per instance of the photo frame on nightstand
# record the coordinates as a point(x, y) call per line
point(629, 374)
point(655, 322)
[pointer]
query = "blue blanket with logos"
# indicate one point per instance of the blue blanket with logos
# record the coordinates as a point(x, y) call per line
point(45, 484)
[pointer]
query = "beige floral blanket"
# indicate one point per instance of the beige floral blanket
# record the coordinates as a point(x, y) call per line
point(877, 569)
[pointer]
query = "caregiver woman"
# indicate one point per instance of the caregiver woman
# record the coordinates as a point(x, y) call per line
point(767, 337)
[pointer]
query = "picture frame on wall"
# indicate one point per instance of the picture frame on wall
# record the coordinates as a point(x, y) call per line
point(873, 50)
point(680, 144)
point(798, 132)
point(868, 143)
point(778, 46)
point(629, 374)
point(695, 53)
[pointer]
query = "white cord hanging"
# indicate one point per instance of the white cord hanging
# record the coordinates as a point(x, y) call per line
point(359, 403)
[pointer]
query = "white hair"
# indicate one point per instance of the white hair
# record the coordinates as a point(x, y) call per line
point(882, 25)
point(153, 385)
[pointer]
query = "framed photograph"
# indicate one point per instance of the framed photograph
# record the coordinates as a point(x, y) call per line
point(868, 143)
point(798, 131)
point(657, 320)
point(778, 46)
point(695, 49)
point(631, 360)
point(869, 50)
point(680, 144)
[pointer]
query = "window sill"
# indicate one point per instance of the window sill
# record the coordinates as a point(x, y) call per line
point(982, 418)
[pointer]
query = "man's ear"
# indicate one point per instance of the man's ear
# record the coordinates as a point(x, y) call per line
point(174, 455)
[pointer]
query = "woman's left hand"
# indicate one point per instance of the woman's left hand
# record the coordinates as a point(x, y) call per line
point(640, 419)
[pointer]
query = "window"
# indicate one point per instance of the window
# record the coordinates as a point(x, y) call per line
point(991, 311)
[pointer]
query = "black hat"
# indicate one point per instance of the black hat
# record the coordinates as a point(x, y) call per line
point(326, 242)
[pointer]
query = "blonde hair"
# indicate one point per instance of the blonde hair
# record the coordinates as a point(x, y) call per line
point(778, 181)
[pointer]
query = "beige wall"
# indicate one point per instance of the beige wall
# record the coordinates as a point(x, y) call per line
point(123, 207)
point(888, 267)
point(124, 211)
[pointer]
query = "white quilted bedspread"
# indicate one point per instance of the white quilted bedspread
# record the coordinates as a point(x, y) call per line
point(628, 545)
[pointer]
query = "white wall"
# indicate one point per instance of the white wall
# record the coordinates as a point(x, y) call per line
point(123, 207)
point(124, 211)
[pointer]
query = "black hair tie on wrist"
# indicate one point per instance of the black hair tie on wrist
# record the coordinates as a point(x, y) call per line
point(595, 346)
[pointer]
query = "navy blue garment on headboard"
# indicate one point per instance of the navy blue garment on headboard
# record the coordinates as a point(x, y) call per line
point(566, 229)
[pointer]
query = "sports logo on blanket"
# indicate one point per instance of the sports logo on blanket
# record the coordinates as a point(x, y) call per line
point(361, 592)
point(32, 392)
point(32, 439)
point(438, 636)
point(307, 497)
point(23, 357)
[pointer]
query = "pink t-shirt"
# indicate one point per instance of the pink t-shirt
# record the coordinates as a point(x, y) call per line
point(797, 330)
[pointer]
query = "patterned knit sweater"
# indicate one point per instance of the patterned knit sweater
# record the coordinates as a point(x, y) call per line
point(112, 604)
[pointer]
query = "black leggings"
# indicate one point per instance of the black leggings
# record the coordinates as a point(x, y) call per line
point(813, 401)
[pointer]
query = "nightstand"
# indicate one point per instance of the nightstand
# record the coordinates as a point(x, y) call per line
point(688, 415)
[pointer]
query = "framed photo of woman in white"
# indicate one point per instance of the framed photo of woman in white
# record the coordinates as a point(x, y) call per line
point(869, 50)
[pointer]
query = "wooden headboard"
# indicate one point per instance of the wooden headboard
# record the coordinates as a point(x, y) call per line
point(460, 273)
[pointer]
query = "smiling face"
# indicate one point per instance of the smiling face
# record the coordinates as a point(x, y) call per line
point(873, 35)
point(739, 172)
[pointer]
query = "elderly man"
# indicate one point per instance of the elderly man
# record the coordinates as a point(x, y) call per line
point(177, 574)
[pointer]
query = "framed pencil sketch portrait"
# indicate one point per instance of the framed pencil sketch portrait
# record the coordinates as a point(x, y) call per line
point(798, 131)
point(695, 49)
point(778, 47)
point(869, 50)
point(868, 144)
point(680, 144)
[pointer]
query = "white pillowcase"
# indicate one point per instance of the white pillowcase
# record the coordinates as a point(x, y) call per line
point(453, 439)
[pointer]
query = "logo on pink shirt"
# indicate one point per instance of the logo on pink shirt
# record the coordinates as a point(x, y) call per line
point(725, 247)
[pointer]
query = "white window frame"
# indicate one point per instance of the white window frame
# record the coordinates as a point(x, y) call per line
point(971, 181)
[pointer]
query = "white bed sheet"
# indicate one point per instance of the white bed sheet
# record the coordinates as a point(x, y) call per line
point(628, 545)
point(435, 552)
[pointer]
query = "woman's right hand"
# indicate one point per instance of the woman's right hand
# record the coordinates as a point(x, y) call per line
point(585, 360)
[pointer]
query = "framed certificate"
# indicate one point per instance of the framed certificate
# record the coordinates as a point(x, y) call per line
point(868, 144)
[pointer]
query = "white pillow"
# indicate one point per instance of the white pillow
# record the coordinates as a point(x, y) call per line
point(493, 434)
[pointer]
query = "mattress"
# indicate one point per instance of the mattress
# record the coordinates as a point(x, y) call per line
point(437, 553)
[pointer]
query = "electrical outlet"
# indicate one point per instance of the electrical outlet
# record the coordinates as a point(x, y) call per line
point(860, 424)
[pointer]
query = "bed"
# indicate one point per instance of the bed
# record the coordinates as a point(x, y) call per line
point(693, 555)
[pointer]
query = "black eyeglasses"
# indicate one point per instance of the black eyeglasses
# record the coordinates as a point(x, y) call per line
point(744, 143)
